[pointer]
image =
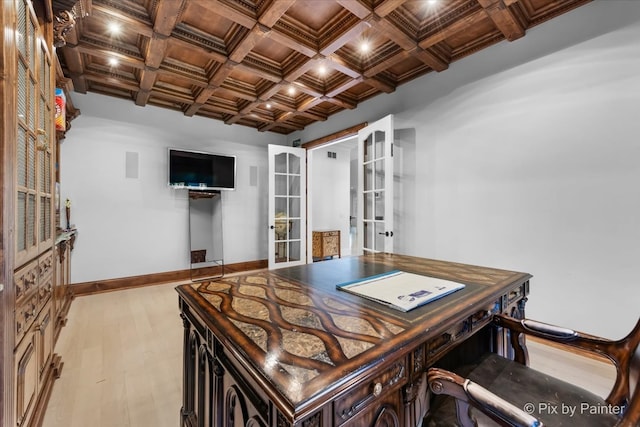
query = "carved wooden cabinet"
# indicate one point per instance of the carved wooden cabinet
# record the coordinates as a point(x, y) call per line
point(62, 293)
point(326, 244)
point(28, 142)
point(284, 348)
point(33, 366)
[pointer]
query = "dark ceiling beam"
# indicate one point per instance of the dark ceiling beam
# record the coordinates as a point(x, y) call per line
point(73, 60)
point(130, 23)
point(350, 34)
point(222, 73)
point(394, 33)
point(339, 64)
point(181, 44)
point(281, 121)
point(429, 59)
point(304, 88)
point(387, 63)
point(262, 73)
point(102, 78)
point(234, 119)
point(456, 27)
point(305, 67)
point(309, 103)
point(271, 91)
point(222, 9)
point(380, 85)
point(248, 42)
point(503, 18)
point(356, 7)
point(215, 81)
point(249, 107)
point(291, 43)
point(344, 86)
point(154, 53)
point(107, 54)
point(274, 12)
point(200, 99)
point(193, 109)
point(388, 6)
point(313, 116)
point(167, 15)
point(340, 102)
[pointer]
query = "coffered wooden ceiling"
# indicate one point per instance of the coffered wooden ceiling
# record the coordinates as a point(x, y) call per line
point(259, 63)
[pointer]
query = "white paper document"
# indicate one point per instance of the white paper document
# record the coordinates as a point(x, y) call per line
point(401, 290)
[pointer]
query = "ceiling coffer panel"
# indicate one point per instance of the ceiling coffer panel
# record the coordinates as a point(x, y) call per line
point(278, 65)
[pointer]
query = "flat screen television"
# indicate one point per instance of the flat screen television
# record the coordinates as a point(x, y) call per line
point(201, 171)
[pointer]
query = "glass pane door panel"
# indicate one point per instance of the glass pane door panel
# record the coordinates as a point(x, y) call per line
point(368, 176)
point(294, 164)
point(280, 208)
point(379, 174)
point(281, 163)
point(281, 185)
point(294, 185)
point(375, 204)
point(294, 207)
point(287, 200)
point(379, 202)
point(368, 149)
point(379, 236)
point(294, 251)
point(379, 138)
point(294, 229)
point(368, 205)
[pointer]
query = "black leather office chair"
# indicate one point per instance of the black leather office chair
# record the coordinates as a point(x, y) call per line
point(512, 394)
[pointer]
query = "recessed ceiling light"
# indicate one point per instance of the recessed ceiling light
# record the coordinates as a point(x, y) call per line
point(292, 90)
point(365, 47)
point(322, 70)
point(432, 2)
point(268, 106)
point(114, 27)
point(113, 61)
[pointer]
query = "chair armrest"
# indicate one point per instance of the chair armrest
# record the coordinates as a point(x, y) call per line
point(619, 352)
point(558, 335)
point(466, 393)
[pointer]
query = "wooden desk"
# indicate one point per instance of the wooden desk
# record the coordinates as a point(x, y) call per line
point(285, 348)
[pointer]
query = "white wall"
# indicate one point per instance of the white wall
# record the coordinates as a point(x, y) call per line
point(329, 193)
point(527, 158)
point(129, 227)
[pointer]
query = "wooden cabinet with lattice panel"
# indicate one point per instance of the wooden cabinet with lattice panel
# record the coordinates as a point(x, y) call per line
point(34, 139)
point(28, 117)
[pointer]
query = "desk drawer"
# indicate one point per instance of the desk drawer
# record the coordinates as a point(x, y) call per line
point(25, 315)
point(25, 280)
point(370, 392)
point(439, 345)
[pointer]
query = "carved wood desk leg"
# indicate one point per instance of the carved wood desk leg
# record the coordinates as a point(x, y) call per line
point(410, 394)
point(187, 374)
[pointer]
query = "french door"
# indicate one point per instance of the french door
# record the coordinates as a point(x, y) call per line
point(375, 187)
point(287, 206)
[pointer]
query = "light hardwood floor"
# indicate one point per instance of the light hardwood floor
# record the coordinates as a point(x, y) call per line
point(122, 354)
